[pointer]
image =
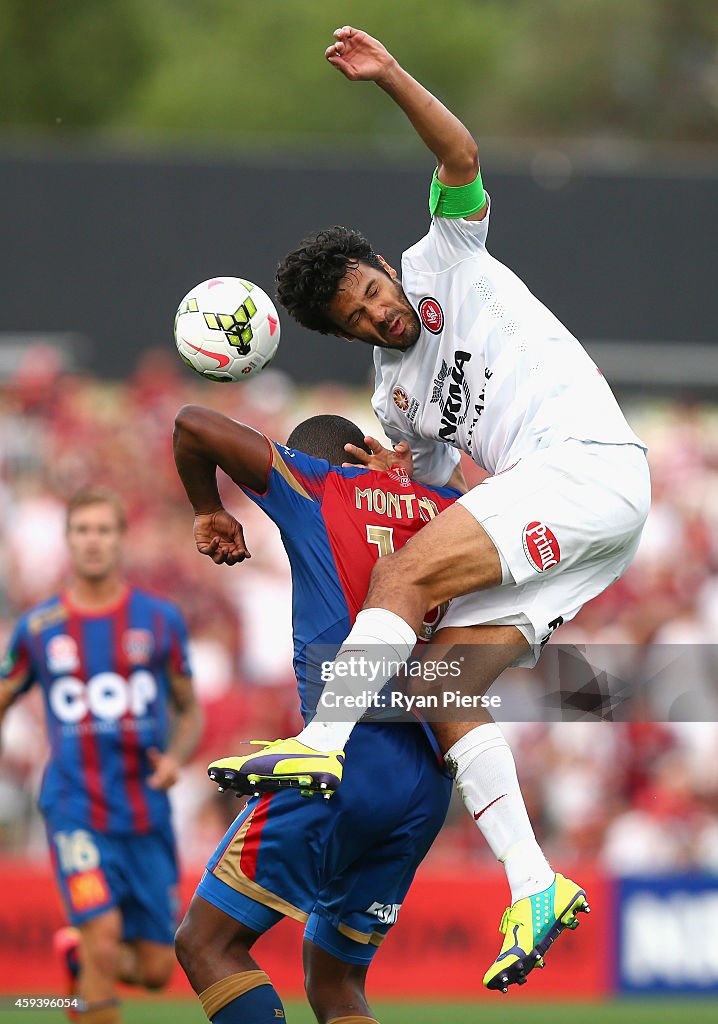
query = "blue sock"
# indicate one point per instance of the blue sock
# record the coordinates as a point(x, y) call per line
point(260, 1005)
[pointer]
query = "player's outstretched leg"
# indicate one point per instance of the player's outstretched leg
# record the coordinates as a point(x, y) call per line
point(213, 950)
point(530, 926)
point(283, 764)
point(483, 766)
point(100, 952)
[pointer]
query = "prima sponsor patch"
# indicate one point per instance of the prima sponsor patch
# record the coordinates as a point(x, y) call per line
point(541, 547)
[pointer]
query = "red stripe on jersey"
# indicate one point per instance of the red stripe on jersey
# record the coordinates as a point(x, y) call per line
point(89, 745)
point(130, 748)
point(349, 510)
point(250, 849)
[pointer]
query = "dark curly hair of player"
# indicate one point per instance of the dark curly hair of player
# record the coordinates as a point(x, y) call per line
point(308, 278)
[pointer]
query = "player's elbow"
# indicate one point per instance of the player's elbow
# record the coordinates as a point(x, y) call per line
point(188, 420)
point(192, 428)
point(462, 164)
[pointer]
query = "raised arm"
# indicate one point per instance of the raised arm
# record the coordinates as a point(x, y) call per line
point(360, 57)
point(204, 440)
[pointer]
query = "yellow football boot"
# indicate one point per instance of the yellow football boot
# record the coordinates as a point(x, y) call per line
point(530, 926)
point(283, 764)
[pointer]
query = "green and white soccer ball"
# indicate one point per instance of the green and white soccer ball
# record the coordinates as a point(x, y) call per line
point(227, 329)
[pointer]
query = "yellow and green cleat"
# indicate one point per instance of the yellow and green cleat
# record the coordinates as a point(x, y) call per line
point(283, 764)
point(530, 926)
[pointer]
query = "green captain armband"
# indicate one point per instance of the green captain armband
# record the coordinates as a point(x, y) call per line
point(456, 200)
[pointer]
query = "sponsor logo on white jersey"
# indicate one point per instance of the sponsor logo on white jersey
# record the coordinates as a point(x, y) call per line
point(387, 913)
point(452, 400)
point(541, 547)
point(479, 406)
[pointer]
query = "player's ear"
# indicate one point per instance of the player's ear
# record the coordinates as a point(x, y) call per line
point(390, 270)
point(344, 337)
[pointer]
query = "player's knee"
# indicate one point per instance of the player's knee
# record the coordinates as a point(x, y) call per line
point(331, 996)
point(156, 973)
point(102, 953)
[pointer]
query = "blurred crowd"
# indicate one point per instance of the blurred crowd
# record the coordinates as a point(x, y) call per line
point(635, 795)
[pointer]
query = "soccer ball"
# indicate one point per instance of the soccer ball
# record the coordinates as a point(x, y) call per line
point(227, 329)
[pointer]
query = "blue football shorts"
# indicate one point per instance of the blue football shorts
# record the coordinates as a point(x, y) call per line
point(136, 873)
point(341, 866)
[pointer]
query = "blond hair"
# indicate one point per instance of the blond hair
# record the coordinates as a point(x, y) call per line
point(97, 496)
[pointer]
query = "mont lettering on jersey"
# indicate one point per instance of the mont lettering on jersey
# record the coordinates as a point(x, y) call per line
point(334, 523)
point(107, 681)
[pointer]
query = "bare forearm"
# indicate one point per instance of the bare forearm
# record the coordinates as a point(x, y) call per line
point(205, 439)
point(197, 469)
point(442, 132)
point(187, 733)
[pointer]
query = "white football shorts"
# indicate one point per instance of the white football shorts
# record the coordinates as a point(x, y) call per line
point(566, 521)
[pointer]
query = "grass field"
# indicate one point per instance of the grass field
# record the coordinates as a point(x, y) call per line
point(624, 1012)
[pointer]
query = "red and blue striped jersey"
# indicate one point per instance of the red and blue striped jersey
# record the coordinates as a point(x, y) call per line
point(334, 523)
point(107, 679)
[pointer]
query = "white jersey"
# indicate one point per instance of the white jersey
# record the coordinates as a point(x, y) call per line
point(493, 373)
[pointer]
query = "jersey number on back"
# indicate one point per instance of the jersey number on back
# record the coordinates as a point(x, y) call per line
point(383, 537)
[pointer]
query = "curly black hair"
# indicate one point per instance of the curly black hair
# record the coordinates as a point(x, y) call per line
point(308, 278)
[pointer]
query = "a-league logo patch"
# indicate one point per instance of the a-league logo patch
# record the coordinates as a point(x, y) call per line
point(138, 645)
point(541, 547)
point(62, 654)
point(405, 402)
point(432, 315)
point(401, 399)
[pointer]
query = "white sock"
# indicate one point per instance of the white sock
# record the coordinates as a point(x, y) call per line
point(485, 772)
point(384, 641)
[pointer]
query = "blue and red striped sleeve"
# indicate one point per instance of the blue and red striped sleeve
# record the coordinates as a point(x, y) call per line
point(295, 486)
